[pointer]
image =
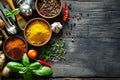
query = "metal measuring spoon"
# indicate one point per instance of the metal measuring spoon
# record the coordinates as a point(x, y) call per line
point(9, 26)
point(25, 7)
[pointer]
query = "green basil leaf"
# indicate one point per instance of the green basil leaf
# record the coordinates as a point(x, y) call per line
point(13, 17)
point(8, 15)
point(27, 75)
point(14, 66)
point(23, 70)
point(43, 71)
point(35, 65)
point(25, 60)
point(7, 11)
point(15, 11)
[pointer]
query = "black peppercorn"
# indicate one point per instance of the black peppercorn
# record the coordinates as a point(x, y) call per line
point(72, 39)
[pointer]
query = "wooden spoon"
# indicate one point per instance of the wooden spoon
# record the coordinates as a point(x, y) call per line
point(20, 20)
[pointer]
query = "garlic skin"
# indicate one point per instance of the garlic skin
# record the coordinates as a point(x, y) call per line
point(56, 27)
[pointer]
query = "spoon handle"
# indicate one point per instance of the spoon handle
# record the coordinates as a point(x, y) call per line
point(4, 34)
point(10, 2)
point(2, 8)
point(1, 14)
point(20, 20)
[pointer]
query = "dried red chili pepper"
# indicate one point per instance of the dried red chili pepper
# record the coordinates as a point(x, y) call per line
point(44, 63)
point(65, 11)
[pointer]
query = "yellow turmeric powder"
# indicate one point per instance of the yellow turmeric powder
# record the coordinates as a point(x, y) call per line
point(37, 32)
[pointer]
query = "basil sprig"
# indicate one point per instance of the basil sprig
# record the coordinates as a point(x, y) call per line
point(25, 60)
point(14, 66)
point(12, 13)
point(43, 71)
point(28, 69)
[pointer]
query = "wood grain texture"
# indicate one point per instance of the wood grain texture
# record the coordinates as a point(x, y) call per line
point(95, 51)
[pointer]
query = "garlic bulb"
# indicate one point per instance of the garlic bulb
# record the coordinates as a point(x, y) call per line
point(56, 27)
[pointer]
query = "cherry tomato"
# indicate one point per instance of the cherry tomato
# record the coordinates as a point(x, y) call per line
point(32, 54)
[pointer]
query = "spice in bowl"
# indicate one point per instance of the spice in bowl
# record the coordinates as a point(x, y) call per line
point(15, 47)
point(37, 32)
point(48, 8)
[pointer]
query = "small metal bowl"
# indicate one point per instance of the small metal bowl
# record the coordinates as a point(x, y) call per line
point(37, 7)
point(16, 52)
point(41, 21)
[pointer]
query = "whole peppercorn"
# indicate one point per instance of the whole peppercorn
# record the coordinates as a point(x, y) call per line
point(72, 39)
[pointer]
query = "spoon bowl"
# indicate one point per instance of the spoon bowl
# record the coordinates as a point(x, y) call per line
point(25, 9)
point(10, 28)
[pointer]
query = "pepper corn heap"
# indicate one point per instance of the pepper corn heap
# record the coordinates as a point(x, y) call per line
point(37, 32)
point(49, 8)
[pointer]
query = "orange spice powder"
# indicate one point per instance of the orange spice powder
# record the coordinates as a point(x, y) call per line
point(15, 47)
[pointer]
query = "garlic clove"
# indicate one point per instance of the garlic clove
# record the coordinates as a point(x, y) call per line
point(56, 27)
point(53, 24)
point(57, 30)
point(60, 25)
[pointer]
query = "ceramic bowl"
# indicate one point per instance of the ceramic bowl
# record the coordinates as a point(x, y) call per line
point(48, 11)
point(33, 33)
point(14, 47)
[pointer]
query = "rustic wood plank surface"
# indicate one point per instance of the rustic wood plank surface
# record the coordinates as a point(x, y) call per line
point(96, 48)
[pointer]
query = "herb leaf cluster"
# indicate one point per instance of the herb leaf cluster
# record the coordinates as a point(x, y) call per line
point(54, 50)
point(27, 69)
point(11, 13)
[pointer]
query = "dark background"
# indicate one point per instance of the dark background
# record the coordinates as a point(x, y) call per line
point(95, 51)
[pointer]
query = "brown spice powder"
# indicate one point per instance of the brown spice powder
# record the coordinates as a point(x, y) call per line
point(15, 47)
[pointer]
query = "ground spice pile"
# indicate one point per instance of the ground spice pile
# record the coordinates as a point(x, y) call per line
point(37, 32)
point(15, 47)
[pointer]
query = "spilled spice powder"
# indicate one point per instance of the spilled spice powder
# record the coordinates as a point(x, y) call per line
point(15, 47)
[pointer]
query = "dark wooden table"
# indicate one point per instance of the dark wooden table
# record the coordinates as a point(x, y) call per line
point(95, 51)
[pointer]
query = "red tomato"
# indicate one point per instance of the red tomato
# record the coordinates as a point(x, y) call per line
point(32, 54)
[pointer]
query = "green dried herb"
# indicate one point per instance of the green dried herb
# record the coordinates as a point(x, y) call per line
point(54, 50)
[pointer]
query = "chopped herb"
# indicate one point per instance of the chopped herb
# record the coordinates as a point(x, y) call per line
point(54, 50)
